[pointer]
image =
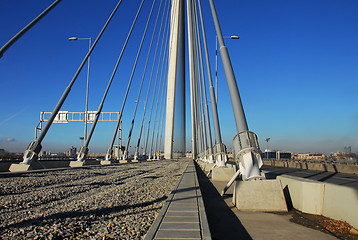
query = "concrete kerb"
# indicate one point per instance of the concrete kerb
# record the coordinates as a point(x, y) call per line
point(204, 225)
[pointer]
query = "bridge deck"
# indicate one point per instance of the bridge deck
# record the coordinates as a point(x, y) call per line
point(183, 215)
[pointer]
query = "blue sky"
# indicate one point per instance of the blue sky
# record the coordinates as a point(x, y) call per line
point(296, 65)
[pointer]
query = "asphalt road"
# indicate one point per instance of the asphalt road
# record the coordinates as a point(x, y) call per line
point(349, 180)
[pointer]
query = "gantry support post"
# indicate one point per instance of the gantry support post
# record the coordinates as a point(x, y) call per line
point(176, 38)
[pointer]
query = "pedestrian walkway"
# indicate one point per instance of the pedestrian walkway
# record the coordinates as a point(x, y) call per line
point(183, 215)
point(227, 222)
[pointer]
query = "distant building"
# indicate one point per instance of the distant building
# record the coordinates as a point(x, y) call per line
point(283, 155)
point(72, 152)
point(2, 151)
point(309, 156)
point(347, 149)
point(276, 154)
point(269, 153)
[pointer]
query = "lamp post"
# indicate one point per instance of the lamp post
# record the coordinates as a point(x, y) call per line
point(81, 138)
point(88, 70)
point(267, 151)
point(216, 63)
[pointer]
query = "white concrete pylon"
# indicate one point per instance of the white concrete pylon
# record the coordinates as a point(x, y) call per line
point(177, 6)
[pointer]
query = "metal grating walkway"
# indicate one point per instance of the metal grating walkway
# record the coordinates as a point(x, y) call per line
point(183, 215)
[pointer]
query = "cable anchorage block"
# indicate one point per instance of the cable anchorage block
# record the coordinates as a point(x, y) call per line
point(82, 154)
point(31, 153)
point(248, 155)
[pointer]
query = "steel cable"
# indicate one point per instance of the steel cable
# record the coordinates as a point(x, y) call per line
point(84, 149)
point(141, 84)
point(35, 147)
point(152, 103)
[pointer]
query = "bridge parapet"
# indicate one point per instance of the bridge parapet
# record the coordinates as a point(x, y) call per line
point(319, 166)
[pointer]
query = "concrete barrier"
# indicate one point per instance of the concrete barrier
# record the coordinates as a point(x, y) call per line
point(305, 195)
point(326, 167)
point(341, 203)
point(313, 197)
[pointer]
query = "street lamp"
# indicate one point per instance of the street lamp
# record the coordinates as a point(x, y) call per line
point(88, 70)
point(267, 140)
point(216, 63)
point(81, 138)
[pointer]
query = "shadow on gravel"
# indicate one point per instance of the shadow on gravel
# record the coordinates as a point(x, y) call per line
point(152, 177)
point(223, 223)
point(79, 214)
point(13, 194)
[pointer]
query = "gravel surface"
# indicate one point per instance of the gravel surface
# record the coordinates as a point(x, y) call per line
point(102, 202)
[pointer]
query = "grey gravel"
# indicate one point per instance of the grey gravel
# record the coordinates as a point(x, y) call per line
point(99, 202)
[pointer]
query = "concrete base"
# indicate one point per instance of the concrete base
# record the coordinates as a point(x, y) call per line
point(19, 167)
point(222, 173)
point(77, 164)
point(35, 165)
point(229, 165)
point(106, 162)
point(149, 160)
point(123, 161)
point(134, 161)
point(200, 163)
point(260, 195)
point(206, 166)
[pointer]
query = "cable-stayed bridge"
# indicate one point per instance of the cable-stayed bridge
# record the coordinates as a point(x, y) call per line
point(164, 93)
point(167, 34)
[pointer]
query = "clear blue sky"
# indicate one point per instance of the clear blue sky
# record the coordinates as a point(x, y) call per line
point(296, 64)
